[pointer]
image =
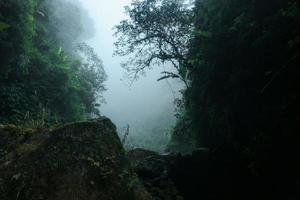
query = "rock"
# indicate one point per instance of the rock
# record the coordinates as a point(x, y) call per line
point(79, 161)
point(147, 164)
point(153, 170)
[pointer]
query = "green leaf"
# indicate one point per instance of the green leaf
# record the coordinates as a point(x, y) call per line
point(202, 33)
point(3, 26)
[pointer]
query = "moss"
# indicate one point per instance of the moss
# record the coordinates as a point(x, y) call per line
point(83, 160)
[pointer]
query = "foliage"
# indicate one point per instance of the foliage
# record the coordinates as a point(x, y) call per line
point(156, 32)
point(37, 75)
point(91, 74)
point(242, 104)
point(243, 101)
point(3, 26)
point(241, 109)
point(244, 70)
point(70, 21)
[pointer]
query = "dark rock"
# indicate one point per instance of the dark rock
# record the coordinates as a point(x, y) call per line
point(83, 161)
point(152, 169)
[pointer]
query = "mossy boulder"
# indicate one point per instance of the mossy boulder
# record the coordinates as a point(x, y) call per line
point(84, 161)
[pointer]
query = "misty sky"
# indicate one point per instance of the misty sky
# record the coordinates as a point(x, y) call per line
point(145, 98)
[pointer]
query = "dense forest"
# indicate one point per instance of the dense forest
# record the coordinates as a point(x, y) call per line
point(237, 121)
point(47, 74)
point(240, 63)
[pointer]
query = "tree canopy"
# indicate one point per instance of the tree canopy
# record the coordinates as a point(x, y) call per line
point(157, 32)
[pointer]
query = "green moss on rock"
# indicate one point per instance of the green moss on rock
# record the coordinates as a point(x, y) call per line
point(83, 160)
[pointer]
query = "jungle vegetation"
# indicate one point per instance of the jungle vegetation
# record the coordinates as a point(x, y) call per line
point(45, 71)
point(238, 60)
point(240, 63)
point(240, 108)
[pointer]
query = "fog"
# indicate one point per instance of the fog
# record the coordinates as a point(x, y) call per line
point(146, 105)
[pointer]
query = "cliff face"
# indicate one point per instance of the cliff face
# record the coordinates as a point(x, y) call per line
point(82, 160)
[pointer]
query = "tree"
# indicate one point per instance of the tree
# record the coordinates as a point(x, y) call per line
point(92, 76)
point(40, 72)
point(69, 23)
point(157, 31)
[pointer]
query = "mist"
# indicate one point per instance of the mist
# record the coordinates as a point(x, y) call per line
point(149, 99)
point(146, 105)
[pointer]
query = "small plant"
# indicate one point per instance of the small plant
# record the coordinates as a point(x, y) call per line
point(126, 134)
point(35, 121)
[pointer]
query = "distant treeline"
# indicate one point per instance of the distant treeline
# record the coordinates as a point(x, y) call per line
point(45, 70)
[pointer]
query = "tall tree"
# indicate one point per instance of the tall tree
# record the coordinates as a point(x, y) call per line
point(157, 32)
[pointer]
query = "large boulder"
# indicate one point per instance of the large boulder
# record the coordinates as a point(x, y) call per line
point(153, 170)
point(84, 161)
